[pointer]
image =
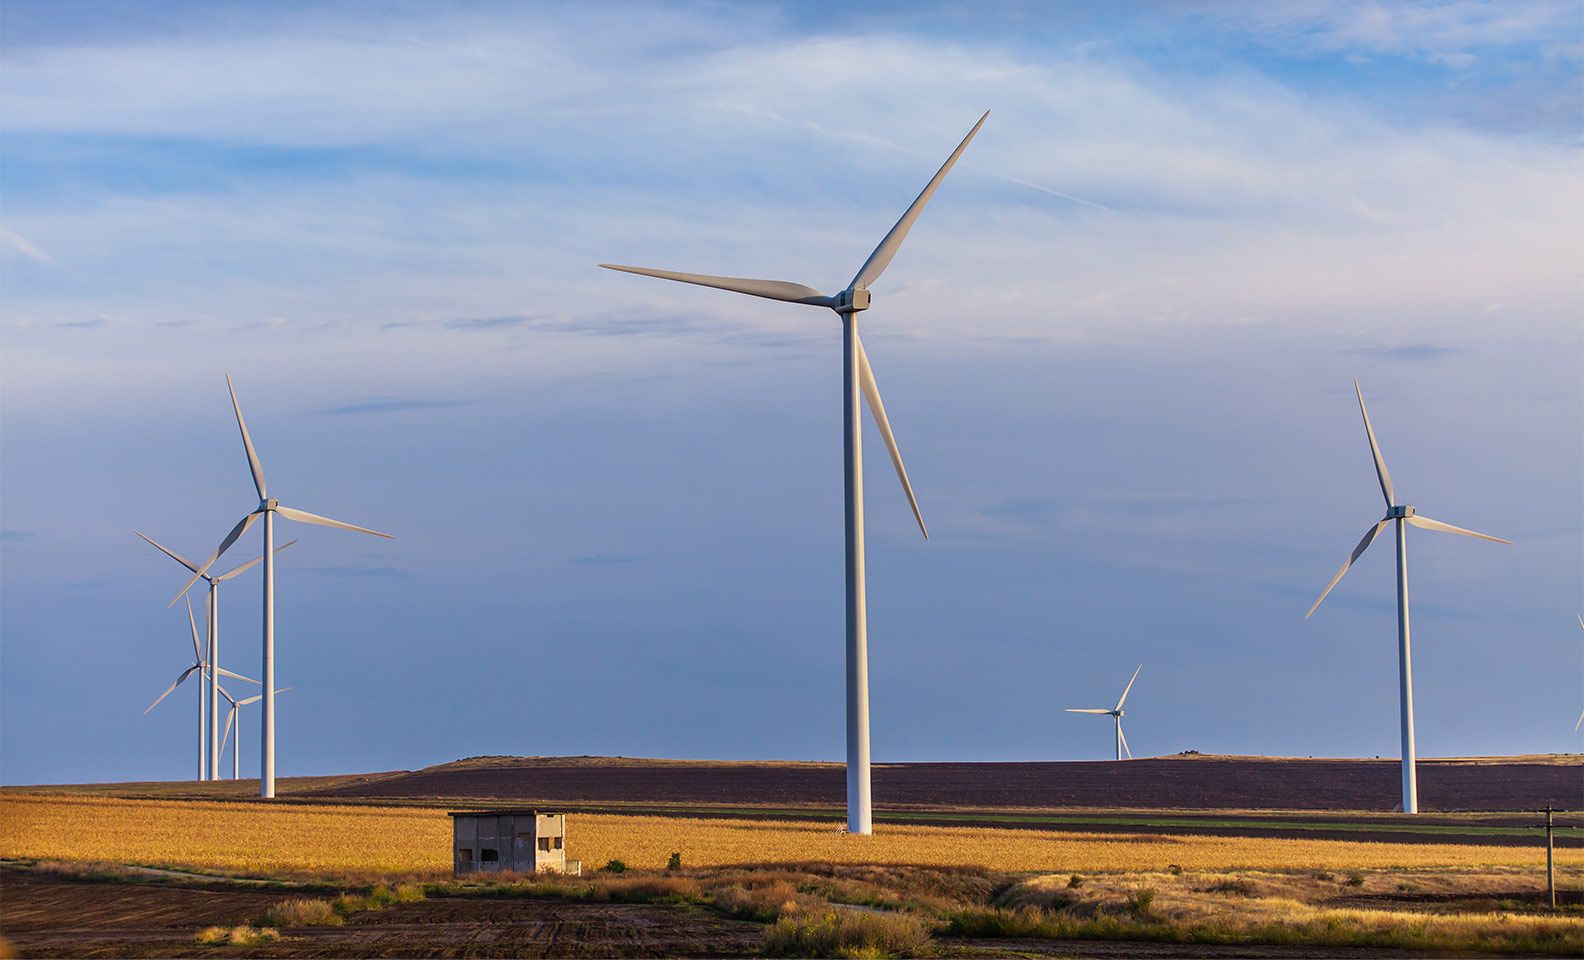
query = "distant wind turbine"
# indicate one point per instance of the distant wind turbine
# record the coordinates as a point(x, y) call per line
point(215, 741)
point(1115, 713)
point(857, 376)
point(267, 509)
point(199, 664)
point(1397, 515)
point(1581, 713)
point(235, 732)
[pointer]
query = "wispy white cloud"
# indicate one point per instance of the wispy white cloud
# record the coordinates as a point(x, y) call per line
point(784, 155)
point(11, 242)
point(1447, 31)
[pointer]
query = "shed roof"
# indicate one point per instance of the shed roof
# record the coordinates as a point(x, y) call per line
point(505, 812)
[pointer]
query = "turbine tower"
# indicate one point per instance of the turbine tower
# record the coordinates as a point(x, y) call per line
point(215, 742)
point(1399, 515)
point(1116, 714)
point(857, 377)
point(267, 509)
point(200, 663)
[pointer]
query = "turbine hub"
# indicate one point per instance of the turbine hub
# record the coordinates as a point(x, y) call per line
point(268, 504)
point(1401, 512)
point(852, 301)
point(1119, 714)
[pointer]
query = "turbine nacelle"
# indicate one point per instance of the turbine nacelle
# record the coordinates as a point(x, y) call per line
point(1400, 512)
point(851, 300)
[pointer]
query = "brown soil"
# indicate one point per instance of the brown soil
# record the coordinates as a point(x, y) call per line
point(45, 917)
point(31, 903)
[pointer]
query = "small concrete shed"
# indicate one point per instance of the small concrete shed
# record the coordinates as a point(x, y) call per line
point(527, 841)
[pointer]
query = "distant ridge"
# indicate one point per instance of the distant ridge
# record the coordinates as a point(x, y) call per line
point(1185, 782)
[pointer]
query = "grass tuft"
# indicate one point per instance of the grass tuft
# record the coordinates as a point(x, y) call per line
point(243, 936)
point(301, 912)
point(1142, 902)
point(849, 933)
point(764, 903)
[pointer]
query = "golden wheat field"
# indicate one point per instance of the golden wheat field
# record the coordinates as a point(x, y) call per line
point(299, 839)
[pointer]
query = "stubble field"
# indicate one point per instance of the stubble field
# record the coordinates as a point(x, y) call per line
point(302, 839)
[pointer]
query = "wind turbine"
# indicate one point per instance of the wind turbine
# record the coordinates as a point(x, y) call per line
point(199, 664)
point(1398, 515)
point(235, 733)
point(1580, 722)
point(267, 509)
point(215, 742)
point(1116, 714)
point(857, 376)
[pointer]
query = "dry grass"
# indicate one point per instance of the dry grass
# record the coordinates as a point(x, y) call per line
point(1271, 907)
point(302, 912)
point(346, 841)
point(243, 936)
point(849, 933)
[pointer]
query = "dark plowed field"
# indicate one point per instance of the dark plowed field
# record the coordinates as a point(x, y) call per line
point(33, 903)
point(43, 917)
point(1187, 783)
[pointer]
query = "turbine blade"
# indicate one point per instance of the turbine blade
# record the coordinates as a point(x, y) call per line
point(259, 696)
point(235, 676)
point(1128, 687)
point(871, 392)
point(251, 563)
point(247, 441)
point(225, 693)
point(185, 674)
point(1358, 551)
point(1380, 462)
point(1428, 524)
point(881, 257)
point(1125, 748)
point(197, 650)
point(168, 552)
point(230, 718)
point(769, 289)
point(1096, 710)
point(1580, 722)
point(225, 545)
point(303, 516)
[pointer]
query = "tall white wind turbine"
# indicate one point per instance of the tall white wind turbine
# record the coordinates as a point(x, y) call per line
point(200, 665)
point(857, 376)
point(1116, 714)
point(1399, 516)
point(215, 741)
point(267, 509)
point(233, 727)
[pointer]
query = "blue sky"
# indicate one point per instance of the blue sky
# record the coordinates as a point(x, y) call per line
point(1117, 351)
